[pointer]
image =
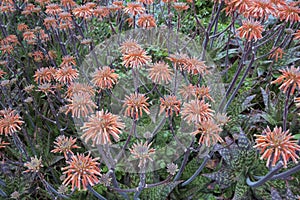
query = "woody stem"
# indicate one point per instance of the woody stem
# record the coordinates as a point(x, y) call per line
point(286, 108)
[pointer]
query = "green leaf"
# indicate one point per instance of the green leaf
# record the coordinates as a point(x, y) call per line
point(297, 136)
point(224, 177)
point(159, 192)
point(269, 118)
point(240, 191)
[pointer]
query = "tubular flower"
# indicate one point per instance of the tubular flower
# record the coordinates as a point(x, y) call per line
point(279, 2)
point(146, 21)
point(147, 2)
point(68, 3)
point(50, 22)
point(46, 88)
point(142, 152)
point(101, 126)
point(194, 66)
point(11, 39)
point(44, 75)
point(297, 102)
point(134, 8)
point(290, 78)
point(84, 11)
point(196, 111)
point(180, 6)
point(129, 45)
point(51, 55)
point(203, 93)
point(169, 104)
point(53, 9)
point(6, 49)
point(187, 92)
point(101, 12)
point(66, 75)
point(261, 9)
point(168, 1)
point(105, 78)
point(65, 145)
point(42, 2)
point(297, 35)
point(9, 122)
point(34, 164)
point(22, 27)
point(68, 61)
point(136, 104)
point(289, 13)
point(66, 16)
point(38, 56)
point(116, 6)
point(250, 30)
point(277, 53)
point(3, 144)
point(178, 59)
point(209, 131)
point(76, 88)
point(82, 171)
point(81, 105)
point(2, 73)
point(135, 58)
point(241, 6)
point(277, 144)
point(160, 73)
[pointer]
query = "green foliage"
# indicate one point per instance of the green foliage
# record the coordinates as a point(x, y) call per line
point(159, 192)
point(240, 162)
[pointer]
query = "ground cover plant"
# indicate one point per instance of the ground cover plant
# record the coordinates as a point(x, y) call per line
point(149, 99)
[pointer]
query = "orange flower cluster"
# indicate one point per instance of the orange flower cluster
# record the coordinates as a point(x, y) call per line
point(169, 104)
point(65, 145)
point(101, 126)
point(80, 105)
point(146, 21)
point(83, 11)
point(142, 152)
point(34, 165)
point(76, 88)
point(129, 45)
point(160, 73)
point(135, 58)
point(201, 93)
point(191, 65)
point(104, 78)
point(8, 44)
point(147, 2)
point(66, 75)
point(250, 30)
point(10, 122)
point(209, 131)
point(290, 79)
point(133, 55)
point(277, 144)
point(135, 105)
point(44, 75)
point(277, 53)
point(134, 8)
point(82, 171)
point(196, 111)
point(180, 6)
point(262, 9)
